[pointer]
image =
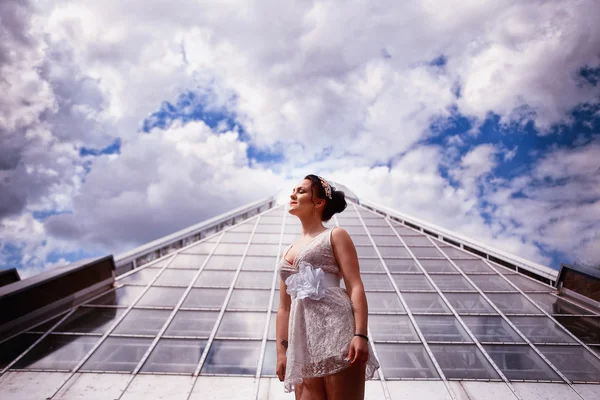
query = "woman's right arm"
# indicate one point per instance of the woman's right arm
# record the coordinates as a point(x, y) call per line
point(281, 329)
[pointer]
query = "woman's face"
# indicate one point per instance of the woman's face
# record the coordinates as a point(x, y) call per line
point(301, 200)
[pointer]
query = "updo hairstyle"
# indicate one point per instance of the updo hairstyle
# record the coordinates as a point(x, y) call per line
point(335, 205)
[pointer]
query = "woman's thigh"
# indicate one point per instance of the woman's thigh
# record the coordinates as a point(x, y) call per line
point(348, 384)
point(311, 389)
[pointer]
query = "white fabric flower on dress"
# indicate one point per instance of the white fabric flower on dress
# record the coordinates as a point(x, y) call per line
point(307, 283)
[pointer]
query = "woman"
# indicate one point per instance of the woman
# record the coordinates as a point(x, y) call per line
point(322, 345)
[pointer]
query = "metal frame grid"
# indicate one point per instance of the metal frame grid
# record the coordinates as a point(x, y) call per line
point(409, 259)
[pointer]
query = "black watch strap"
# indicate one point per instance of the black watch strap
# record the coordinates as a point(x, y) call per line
point(362, 336)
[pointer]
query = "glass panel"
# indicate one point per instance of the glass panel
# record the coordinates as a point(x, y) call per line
point(270, 359)
point(175, 355)
point(555, 305)
point(242, 325)
point(372, 222)
point(425, 303)
point(395, 251)
point(392, 327)
point(491, 283)
point(469, 303)
point(205, 298)
point(404, 231)
point(232, 357)
point(215, 278)
point(143, 322)
point(370, 265)
point(426, 252)
point(451, 282)
point(586, 329)
point(230, 249)
point(541, 330)
point(520, 363)
point(247, 299)
point(235, 237)
point(259, 263)
point(412, 282)
point(405, 361)
point(473, 266)
point(416, 241)
point(381, 230)
point(489, 328)
point(510, 303)
point(244, 227)
point(117, 354)
point(123, 296)
point(272, 238)
point(161, 297)
point(383, 302)
point(141, 277)
point(360, 240)
point(200, 248)
point(463, 362)
point(272, 334)
point(441, 328)
point(176, 277)
point(437, 266)
point(190, 261)
point(526, 284)
point(12, 348)
point(376, 282)
point(253, 279)
point(575, 362)
point(90, 319)
point(294, 229)
point(366, 251)
point(223, 262)
point(384, 240)
point(57, 352)
point(266, 228)
point(455, 253)
point(400, 265)
point(192, 323)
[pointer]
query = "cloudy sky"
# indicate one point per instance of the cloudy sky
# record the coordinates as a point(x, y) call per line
point(121, 122)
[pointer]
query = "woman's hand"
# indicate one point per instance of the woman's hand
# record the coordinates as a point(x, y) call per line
point(358, 351)
point(280, 368)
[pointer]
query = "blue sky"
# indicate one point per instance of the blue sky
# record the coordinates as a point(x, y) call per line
point(142, 124)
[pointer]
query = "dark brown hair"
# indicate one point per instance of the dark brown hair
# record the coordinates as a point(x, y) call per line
point(336, 204)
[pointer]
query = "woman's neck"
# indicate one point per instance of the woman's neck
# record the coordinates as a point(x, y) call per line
point(311, 227)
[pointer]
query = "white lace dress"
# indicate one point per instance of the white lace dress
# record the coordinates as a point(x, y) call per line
point(319, 331)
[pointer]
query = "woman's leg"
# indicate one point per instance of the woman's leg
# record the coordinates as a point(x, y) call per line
point(348, 384)
point(311, 389)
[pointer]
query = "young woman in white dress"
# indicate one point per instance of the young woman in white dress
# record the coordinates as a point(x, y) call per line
point(323, 349)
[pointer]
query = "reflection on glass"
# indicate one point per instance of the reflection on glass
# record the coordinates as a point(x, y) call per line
point(175, 355)
point(205, 298)
point(401, 265)
point(575, 362)
point(254, 279)
point(141, 277)
point(176, 277)
point(392, 327)
point(215, 278)
point(270, 360)
point(376, 282)
point(223, 262)
point(272, 333)
point(469, 303)
point(426, 252)
point(405, 361)
point(123, 296)
point(189, 261)
point(232, 357)
point(541, 330)
point(491, 328)
point(117, 354)
point(510, 303)
point(586, 329)
point(393, 252)
point(451, 282)
point(161, 297)
point(249, 325)
point(527, 285)
point(463, 362)
point(383, 302)
point(470, 266)
point(425, 303)
point(192, 323)
point(490, 283)
point(90, 319)
point(412, 282)
point(247, 299)
point(57, 352)
point(12, 348)
point(520, 363)
point(142, 322)
point(555, 305)
point(437, 266)
point(441, 328)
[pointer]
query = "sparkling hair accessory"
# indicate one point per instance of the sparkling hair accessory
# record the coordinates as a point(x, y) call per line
point(326, 187)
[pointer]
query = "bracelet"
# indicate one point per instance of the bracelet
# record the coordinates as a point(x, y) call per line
point(362, 336)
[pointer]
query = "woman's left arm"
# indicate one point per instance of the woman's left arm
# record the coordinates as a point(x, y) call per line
point(345, 254)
